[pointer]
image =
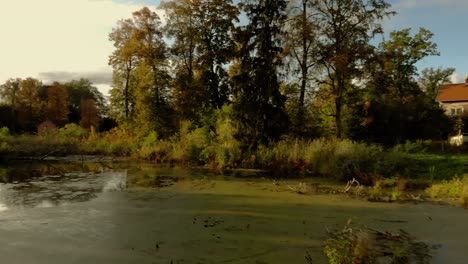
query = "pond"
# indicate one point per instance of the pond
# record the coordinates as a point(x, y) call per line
point(120, 212)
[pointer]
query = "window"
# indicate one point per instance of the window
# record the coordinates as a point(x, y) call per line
point(456, 111)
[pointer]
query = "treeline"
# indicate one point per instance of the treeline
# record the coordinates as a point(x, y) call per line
point(29, 103)
point(300, 68)
point(263, 70)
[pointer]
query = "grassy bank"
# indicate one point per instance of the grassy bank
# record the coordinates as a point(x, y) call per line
point(220, 152)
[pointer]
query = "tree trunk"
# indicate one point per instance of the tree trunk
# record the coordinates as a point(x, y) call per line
point(338, 103)
point(304, 68)
point(127, 83)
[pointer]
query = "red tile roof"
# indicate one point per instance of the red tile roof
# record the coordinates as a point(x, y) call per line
point(453, 92)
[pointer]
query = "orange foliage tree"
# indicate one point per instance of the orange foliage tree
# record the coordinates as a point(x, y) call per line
point(57, 104)
point(89, 113)
point(30, 105)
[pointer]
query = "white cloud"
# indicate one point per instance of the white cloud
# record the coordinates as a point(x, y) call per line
point(456, 78)
point(57, 35)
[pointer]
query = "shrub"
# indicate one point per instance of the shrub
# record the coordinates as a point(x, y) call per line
point(455, 188)
point(4, 137)
point(72, 132)
point(4, 133)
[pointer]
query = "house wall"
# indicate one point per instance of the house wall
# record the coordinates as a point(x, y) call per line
point(455, 109)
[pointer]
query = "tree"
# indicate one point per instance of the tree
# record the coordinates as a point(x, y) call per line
point(6, 118)
point(10, 89)
point(300, 48)
point(79, 91)
point(182, 28)
point(399, 57)
point(346, 27)
point(123, 61)
point(431, 79)
point(141, 74)
point(152, 50)
point(152, 94)
point(258, 104)
point(202, 47)
point(399, 109)
point(57, 104)
point(30, 106)
point(9, 92)
point(216, 47)
point(89, 113)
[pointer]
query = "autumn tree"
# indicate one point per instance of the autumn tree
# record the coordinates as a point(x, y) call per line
point(258, 104)
point(57, 104)
point(346, 27)
point(152, 95)
point(182, 28)
point(30, 106)
point(123, 61)
point(89, 113)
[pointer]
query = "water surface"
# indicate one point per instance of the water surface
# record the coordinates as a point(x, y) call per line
point(85, 212)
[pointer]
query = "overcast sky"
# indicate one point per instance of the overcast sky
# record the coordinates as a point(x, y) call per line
point(60, 40)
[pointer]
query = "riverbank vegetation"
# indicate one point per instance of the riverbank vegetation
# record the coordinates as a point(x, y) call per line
point(364, 245)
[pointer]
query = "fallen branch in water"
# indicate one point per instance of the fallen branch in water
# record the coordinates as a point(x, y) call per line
point(350, 184)
point(301, 188)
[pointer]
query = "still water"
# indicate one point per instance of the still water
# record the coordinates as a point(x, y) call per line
point(117, 212)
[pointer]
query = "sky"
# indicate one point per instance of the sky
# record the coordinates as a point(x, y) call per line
point(61, 40)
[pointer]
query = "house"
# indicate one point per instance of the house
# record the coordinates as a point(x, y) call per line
point(453, 98)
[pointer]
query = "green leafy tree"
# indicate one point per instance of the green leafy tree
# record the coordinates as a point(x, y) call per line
point(346, 27)
point(80, 91)
point(399, 57)
point(258, 109)
point(399, 109)
point(216, 47)
point(202, 47)
point(9, 92)
point(432, 78)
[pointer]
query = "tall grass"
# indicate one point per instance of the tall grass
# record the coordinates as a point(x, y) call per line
point(219, 150)
point(340, 159)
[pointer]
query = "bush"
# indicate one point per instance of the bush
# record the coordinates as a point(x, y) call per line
point(455, 188)
point(72, 132)
point(4, 137)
